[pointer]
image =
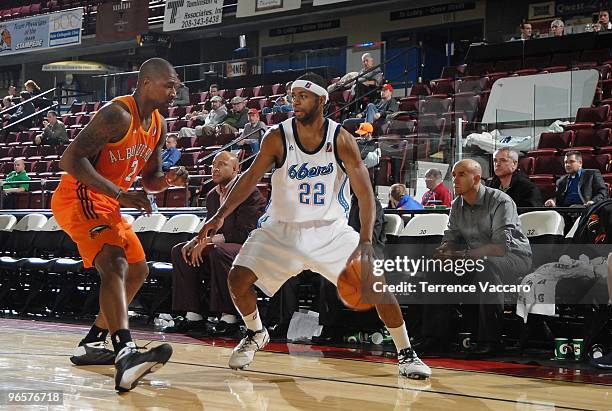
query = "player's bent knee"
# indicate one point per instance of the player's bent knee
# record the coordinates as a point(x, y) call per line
point(240, 280)
point(111, 260)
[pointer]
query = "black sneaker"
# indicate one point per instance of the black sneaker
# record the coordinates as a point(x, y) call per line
point(93, 353)
point(603, 363)
point(131, 365)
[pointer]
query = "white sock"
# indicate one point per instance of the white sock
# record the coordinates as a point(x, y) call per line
point(400, 337)
point(253, 321)
point(193, 316)
point(229, 318)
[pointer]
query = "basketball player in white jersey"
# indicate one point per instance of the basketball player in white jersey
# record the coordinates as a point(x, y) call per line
point(305, 226)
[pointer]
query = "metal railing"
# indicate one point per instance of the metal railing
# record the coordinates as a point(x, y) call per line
point(30, 100)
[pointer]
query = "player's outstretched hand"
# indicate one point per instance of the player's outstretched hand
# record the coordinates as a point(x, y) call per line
point(210, 228)
point(177, 176)
point(135, 199)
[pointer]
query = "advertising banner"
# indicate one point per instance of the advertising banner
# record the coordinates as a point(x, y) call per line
point(191, 14)
point(41, 32)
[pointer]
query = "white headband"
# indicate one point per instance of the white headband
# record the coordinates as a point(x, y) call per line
point(310, 86)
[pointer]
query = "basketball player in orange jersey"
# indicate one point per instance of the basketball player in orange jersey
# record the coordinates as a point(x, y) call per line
point(306, 223)
point(124, 137)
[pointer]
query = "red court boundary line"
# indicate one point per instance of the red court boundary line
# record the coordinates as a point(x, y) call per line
point(582, 376)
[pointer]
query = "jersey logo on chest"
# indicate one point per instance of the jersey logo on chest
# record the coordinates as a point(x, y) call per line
point(300, 172)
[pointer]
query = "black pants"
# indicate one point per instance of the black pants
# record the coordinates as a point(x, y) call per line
point(187, 288)
point(437, 318)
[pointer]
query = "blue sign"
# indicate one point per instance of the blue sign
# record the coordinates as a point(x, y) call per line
point(41, 32)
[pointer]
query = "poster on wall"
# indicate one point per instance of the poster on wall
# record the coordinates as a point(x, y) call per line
point(326, 2)
point(191, 14)
point(41, 32)
point(248, 8)
point(541, 10)
point(121, 20)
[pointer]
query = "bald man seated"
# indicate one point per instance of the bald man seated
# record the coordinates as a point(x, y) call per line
point(483, 228)
point(193, 262)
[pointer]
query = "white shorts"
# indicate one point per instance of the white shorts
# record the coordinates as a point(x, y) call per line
point(277, 251)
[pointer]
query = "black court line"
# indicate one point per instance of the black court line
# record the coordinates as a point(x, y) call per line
point(280, 374)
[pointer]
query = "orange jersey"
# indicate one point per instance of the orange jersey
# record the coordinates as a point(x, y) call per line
point(122, 161)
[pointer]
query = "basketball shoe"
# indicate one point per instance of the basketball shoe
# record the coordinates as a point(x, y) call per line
point(244, 352)
point(411, 366)
point(131, 365)
point(93, 353)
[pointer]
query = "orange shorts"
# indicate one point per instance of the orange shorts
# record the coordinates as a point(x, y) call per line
point(93, 220)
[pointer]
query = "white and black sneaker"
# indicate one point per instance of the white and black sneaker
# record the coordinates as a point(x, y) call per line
point(244, 352)
point(131, 365)
point(93, 353)
point(411, 366)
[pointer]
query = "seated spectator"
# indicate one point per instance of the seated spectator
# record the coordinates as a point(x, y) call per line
point(211, 120)
point(12, 93)
point(370, 153)
point(526, 32)
point(437, 193)
point(213, 91)
point(483, 226)
point(254, 129)
point(603, 24)
point(369, 81)
point(283, 104)
point(54, 133)
point(171, 155)
point(22, 112)
point(579, 187)
point(236, 118)
point(378, 112)
point(193, 261)
point(182, 96)
point(10, 185)
point(511, 180)
point(401, 200)
point(7, 103)
point(557, 28)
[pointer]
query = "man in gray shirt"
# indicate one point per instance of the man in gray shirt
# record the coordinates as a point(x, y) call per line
point(483, 227)
point(182, 96)
point(54, 132)
point(211, 120)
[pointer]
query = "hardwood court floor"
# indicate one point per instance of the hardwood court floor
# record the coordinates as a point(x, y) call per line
point(34, 355)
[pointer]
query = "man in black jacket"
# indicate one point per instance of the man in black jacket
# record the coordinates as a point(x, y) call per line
point(509, 179)
point(579, 187)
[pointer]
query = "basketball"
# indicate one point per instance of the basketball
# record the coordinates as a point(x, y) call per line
point(349, 287)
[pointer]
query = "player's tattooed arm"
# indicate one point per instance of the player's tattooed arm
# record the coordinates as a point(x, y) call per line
point(360, 182)
point(271, 153)
point(108, 125)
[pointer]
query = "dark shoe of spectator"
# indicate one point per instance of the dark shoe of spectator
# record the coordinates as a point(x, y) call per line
point(182, 325)
point(328, 336)
point(485, 349)
point(278, 332)
point(603, 363)
point(223, 329)
point(430, 345)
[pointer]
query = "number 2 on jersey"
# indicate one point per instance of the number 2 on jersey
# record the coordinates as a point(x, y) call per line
point(312, 194)
point(133, 167)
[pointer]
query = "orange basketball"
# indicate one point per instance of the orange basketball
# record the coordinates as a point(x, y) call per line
point(349, 287)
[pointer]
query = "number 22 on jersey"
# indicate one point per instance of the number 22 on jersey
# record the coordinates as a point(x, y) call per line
point(312, 194)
